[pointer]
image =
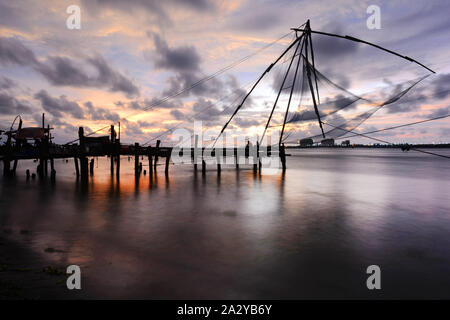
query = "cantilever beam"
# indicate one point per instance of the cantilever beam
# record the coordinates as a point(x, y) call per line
point(365, 42)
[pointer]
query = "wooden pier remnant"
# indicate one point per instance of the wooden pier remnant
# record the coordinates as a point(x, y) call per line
point(117, 154)
point(112, 153)
point(282, 156)
point(77, 168)
point(91, 167)
point(195, 153)
point(82, 155)
point(168, 155)
point(150, 161)
point(158, 143)
point(136, 159)
point(88, 148)
point(218, 155)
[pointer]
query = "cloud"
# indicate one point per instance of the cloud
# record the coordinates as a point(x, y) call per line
point(115, 80)
point(12, 51)
point(178, 115)
point(146, 124)
point(154, 7)
point(7, 83)
point(97, 113)
point(12, 106)
point(246, 123)
point(256, 21)
point(440, 112)
point(11, 16)
point(205, 110)
point(441, 86)
point(330, 47)
point(151, 104)
point(178, 59)
point(182, 81)
point(435, 90)
point(58, 123)
point(59, 106)
point(63, 71)
point(185, 62)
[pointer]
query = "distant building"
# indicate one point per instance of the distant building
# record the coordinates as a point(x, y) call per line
point(327, 142)
point(345, 143)
point(307, 142)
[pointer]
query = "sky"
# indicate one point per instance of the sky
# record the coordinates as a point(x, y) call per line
point(144, 63)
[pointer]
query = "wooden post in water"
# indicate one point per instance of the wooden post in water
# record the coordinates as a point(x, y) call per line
point(150, 161)
point(203, 163)
point(218, 158)
point(255, 158)
point(52, 169)
point(136, 159)
point(112, 147)
point(77, 169)
point(7, 157)
point(17, 144)
point(168, 155)
point(117, 152)
point(83, 159)
point(158, 142)
point(259, 156)
point(236, 157)
point(195, 155)
point(91, 167)
point(283, 156)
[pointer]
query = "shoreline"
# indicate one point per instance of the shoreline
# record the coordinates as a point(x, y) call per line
point(25, 276)
point(376, 146)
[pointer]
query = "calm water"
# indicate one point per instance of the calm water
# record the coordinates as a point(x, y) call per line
point(308, 234)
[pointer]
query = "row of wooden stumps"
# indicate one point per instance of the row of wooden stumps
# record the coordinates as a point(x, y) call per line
point(83, 166)
point(253, 151)
point(152, 155)
point(81, 161)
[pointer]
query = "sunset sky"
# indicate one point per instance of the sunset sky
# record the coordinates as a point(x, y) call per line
point(128, 55)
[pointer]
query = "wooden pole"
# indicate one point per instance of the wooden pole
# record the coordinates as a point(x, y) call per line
point(77, 168)
point(52, 169)
point(136, 159)
point(203, 163)
point(168, 162)
point(18, 145)
point(6, 159)
point(255, 158)
point(259, 156)
point(83, 159)
point(150, 161)
point(283, 156)
point(91, 167)
point(158, 142)
point(218, 158)
point(117, 152)
point(112, 146)
point(195, 152)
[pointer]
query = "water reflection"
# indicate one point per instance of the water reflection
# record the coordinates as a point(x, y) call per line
point(305, 233)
